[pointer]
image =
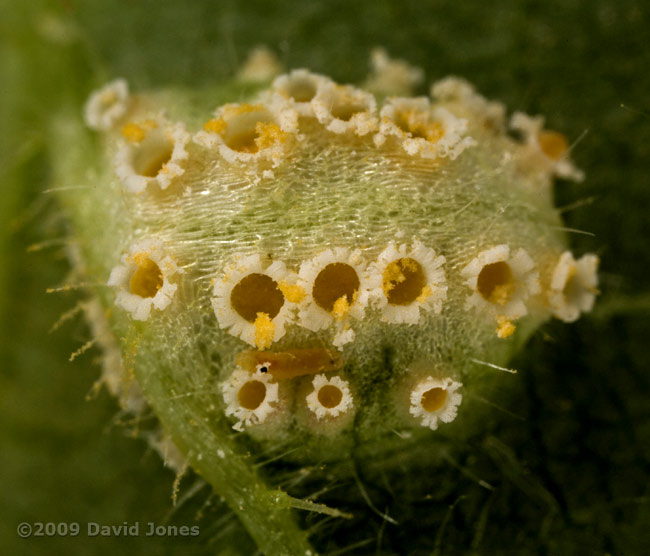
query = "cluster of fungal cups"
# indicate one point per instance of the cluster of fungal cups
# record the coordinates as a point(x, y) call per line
point(354, 229)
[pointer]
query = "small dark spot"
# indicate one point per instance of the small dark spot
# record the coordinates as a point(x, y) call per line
point(264, 370)
point(516, 135)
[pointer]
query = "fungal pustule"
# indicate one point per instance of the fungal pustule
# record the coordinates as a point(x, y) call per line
point(337, 291)
point(261, 65)
point(391, 76)
point(501, 283)
point(574, 286)
point(249, 302)
point(245, 133)
point(553, 143)
point(330, 397)
point(107, 106)
point(345, 109)
point(435, 399)
point(250, 130)
point(298, 88)
point(407, 282)
point(544, 149)
point(422, 130)
point(283, 365)
point(250, 398)
point(154, 154)
point(144, 279)
point(463, 99)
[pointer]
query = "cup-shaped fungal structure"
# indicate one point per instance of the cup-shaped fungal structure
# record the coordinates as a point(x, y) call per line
point(392, 76)
point(248, 300)
point(330, 397)
point(250, 398)
point(421, 129)
point(145, 279)
point(544, 148)
point(462, 99)
point(574, 286)
point(329, 240)
point(154, 154)
point(299, 88)
point(343, 109)
point(435, 400)
point(107, 106)
point(261, 65)
point(408, 282)
point(249, 133)
point(337, 291)
point(501, 282)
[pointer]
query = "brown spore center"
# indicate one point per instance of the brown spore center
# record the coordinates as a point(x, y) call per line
point(330, 396)
point(403, 281)
point(495, 282)
point(333, 282)
point(147, 279)
point(433, 399)
point(256, 293)
point(553, 144)
point(252, 394)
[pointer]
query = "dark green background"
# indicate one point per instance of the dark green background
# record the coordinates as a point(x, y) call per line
point(570, 472)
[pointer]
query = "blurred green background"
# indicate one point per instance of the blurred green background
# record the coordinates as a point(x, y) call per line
point(570, 472)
